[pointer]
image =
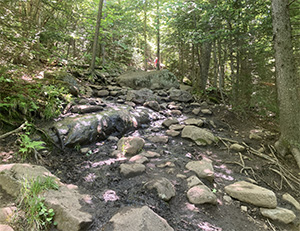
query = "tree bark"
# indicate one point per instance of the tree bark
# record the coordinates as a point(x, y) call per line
point(287, 81)
point(158, 36)
point(94, 51)
point(145, 35)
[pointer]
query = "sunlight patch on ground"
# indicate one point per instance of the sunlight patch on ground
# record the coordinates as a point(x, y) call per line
point(90, 177)
point(191, 207)
point(110, 195)
point(205, 226)
point(5, 156)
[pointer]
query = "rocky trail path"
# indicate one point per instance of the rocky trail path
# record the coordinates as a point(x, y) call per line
point(145, 156)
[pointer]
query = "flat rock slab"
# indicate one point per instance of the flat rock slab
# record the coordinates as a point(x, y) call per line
point(193, 121)
point(200, 136)
point(137, 219)
point(65, 201)
point(201, 194)
point(279, 214)
point(170, 121)
point(252, 194)
point(164, 188)
point(152, 80)
point(131, 145)
point(66, 204)
point(203, 169)
point(131, 170)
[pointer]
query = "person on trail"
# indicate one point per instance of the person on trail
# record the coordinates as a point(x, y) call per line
point(155, 62)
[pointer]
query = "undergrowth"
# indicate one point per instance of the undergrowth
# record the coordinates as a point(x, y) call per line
point(38, 215)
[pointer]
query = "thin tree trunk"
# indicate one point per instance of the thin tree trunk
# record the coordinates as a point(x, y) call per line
point(145, 35)
point(287, 81)
point(158, 36)
point(94, 51)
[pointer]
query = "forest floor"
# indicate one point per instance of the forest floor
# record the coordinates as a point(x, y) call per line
point(74, 167)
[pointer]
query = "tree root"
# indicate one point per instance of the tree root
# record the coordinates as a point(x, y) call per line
point(285, 174)
point(19, 129)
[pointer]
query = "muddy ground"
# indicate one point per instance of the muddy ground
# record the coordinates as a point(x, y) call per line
point(95, 172)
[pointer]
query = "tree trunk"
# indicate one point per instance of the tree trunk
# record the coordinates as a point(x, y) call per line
point(205, 53)
point(287, 81)
point(158, 36)
point(145, 35)
point(94, 51)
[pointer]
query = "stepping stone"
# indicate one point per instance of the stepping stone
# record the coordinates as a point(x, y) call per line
point(200, 136)
point(193, 181)
point(201, 194)
point(206, 111)
point(131, 170)
point(192, 121)
point(137, 219)
point(131, 145)
point(139, 159)
point(150, 154)
point(154, 105)
point(164, 188)
point(159, 139)
point(203, 168)
point(103, 93)
point(196, 111)
point(176, 127)
point(252, 194)
point(173, 133)
point(279, 214)
point(168, 122)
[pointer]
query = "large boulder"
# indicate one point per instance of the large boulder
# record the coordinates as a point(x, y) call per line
point(152, 80)
point(137, 219)
point(66, 201)
point(84, 129)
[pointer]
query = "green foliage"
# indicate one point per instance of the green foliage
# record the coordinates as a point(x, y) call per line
point(39, 217)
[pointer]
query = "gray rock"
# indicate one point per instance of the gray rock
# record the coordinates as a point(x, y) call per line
point(6, 214)
point(206, 111)
point(279, 214)
point(193, 121)
point(103, 93)
point(170, 121)
point(177, 127)
point(84, 129)
point(137, 219)
point(203, 168)
point(196, 111)
point(154, 105)
point(66, 204)
point(131, 145)
point(179, 95)
point(131, 170)
point(200, 136)
point(237, 147)
point(152, 80)
point(6, 228)
point(252, 194)
point(201, 194)
point(164, 188)
point(159, 139)
point(139, 159)
point(140, 96)
point(287, 197)
point(172, 133)
point(65, 201)
point(150, 154)
point(86, 108)
point(193, 181)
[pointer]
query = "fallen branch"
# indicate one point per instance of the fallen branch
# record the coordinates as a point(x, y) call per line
point(19, 129)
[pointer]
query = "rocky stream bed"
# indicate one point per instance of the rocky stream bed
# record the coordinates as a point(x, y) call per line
point(131, 158)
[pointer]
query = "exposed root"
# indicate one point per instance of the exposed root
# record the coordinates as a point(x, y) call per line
point(296, 154)
point(19, 129)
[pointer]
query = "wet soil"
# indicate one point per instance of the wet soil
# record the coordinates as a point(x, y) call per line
point(97, 171)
